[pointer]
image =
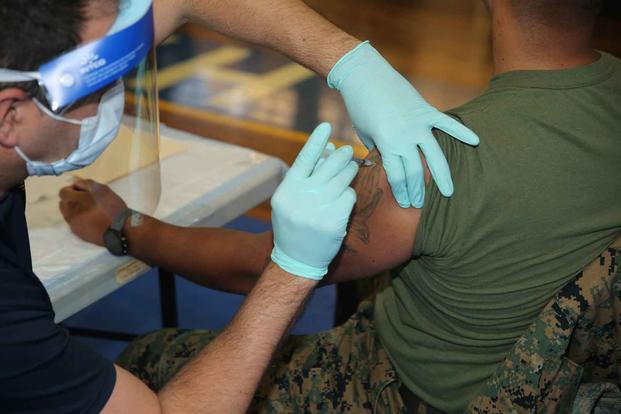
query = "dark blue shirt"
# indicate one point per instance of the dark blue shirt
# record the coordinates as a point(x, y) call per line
point(42, 370)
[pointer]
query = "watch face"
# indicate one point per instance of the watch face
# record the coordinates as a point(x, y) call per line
point(113, 243)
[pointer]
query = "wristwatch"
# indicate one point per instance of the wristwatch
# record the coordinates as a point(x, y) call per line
point(114, 239)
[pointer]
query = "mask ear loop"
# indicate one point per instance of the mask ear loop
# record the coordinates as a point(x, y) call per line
point(22, 154)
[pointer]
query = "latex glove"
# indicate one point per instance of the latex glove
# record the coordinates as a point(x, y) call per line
point(311, 207)
point(389, 113)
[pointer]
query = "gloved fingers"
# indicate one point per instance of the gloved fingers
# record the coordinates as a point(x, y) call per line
point(310, 154)
point(438, 166)
point(344, 178)
point(456, 130)
point(330, 148)
point(345, 204)
point(333, 165)
point(395, 173)
point(415, 177)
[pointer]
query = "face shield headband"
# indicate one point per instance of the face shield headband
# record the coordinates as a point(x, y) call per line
point(88, 69)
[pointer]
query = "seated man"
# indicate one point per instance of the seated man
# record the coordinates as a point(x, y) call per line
point(536, 202)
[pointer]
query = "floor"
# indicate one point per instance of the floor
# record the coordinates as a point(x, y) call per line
point(228, 90)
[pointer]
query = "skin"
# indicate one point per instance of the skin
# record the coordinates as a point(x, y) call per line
point(23, 124)
point(376, 240)
point(523, 42)
point(231, 366)
point(381, 235)
point(223, 376)
point(307, 38)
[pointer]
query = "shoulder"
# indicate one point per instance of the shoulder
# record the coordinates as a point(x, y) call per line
point(42, 367)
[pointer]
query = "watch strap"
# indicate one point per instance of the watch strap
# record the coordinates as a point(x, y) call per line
point(120, 219)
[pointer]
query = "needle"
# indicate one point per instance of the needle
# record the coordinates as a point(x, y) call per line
point(363, 162)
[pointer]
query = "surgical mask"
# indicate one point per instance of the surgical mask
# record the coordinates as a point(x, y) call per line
point(96, 133)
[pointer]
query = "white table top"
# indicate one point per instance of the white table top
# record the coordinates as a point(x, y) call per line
point(209, 184)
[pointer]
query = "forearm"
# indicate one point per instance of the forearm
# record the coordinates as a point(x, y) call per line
point(287, 26)
point(232, 260)
point(224, 376)
point(218, 258)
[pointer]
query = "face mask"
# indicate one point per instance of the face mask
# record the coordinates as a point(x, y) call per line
point(96, 133)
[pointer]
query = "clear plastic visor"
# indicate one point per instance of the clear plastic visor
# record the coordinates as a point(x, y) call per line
point(125, 109)
point(129, 166)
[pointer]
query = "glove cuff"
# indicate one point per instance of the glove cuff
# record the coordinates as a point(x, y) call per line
point(295, 267)
point(361, 54)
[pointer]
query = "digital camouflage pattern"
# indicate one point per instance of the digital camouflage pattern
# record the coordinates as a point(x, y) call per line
point(570, 357)
point(569, 360)
point(344, 370)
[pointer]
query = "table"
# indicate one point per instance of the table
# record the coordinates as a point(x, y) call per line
point(209, 184)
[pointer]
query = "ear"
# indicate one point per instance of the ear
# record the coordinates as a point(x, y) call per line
point(8, 98)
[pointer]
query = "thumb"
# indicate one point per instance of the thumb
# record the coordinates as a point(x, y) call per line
point(457, 130)
point(85, 185)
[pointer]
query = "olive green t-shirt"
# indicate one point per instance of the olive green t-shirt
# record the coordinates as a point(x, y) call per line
point(536, 201)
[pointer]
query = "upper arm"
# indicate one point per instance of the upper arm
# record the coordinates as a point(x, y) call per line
point(380, 235)
point(168, 16)
point(131, 395)
point(42, 369)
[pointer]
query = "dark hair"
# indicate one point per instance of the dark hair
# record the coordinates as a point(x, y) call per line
point(35, 31)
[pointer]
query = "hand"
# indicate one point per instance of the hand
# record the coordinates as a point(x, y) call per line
point(389, 113)
point(89, 208)
point(311, 208)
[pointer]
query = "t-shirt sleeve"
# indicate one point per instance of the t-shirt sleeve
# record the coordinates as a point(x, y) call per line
point(444, 219)
point(43, 370)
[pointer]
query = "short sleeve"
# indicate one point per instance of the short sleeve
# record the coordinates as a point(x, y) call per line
point(445, 219)
point(43, 370)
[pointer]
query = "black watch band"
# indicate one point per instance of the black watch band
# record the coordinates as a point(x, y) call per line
point(114, 239)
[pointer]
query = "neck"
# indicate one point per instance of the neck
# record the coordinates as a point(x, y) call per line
point(11, 175)
point(516, 48)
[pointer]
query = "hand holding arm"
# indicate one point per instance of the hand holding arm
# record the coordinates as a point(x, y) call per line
point(388, 113)
point(386, 110)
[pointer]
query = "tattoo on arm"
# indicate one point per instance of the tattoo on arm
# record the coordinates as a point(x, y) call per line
point(369, 196)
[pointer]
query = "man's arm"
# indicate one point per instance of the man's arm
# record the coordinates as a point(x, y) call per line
point(380, 237)
point(311, 207)
point(386, 110)
point(218, 258)
point(287, 26)
point(223, 376)
point(381, 234)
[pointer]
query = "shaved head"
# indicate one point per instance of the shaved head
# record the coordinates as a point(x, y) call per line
point(556, 12)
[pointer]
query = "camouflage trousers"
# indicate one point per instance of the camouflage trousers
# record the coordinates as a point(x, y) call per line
point(344, 370)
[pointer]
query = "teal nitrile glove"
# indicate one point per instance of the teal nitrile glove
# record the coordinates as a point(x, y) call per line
point(389, 113)
point(311, 207)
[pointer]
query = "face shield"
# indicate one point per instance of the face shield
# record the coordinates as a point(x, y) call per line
point(100, 113)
